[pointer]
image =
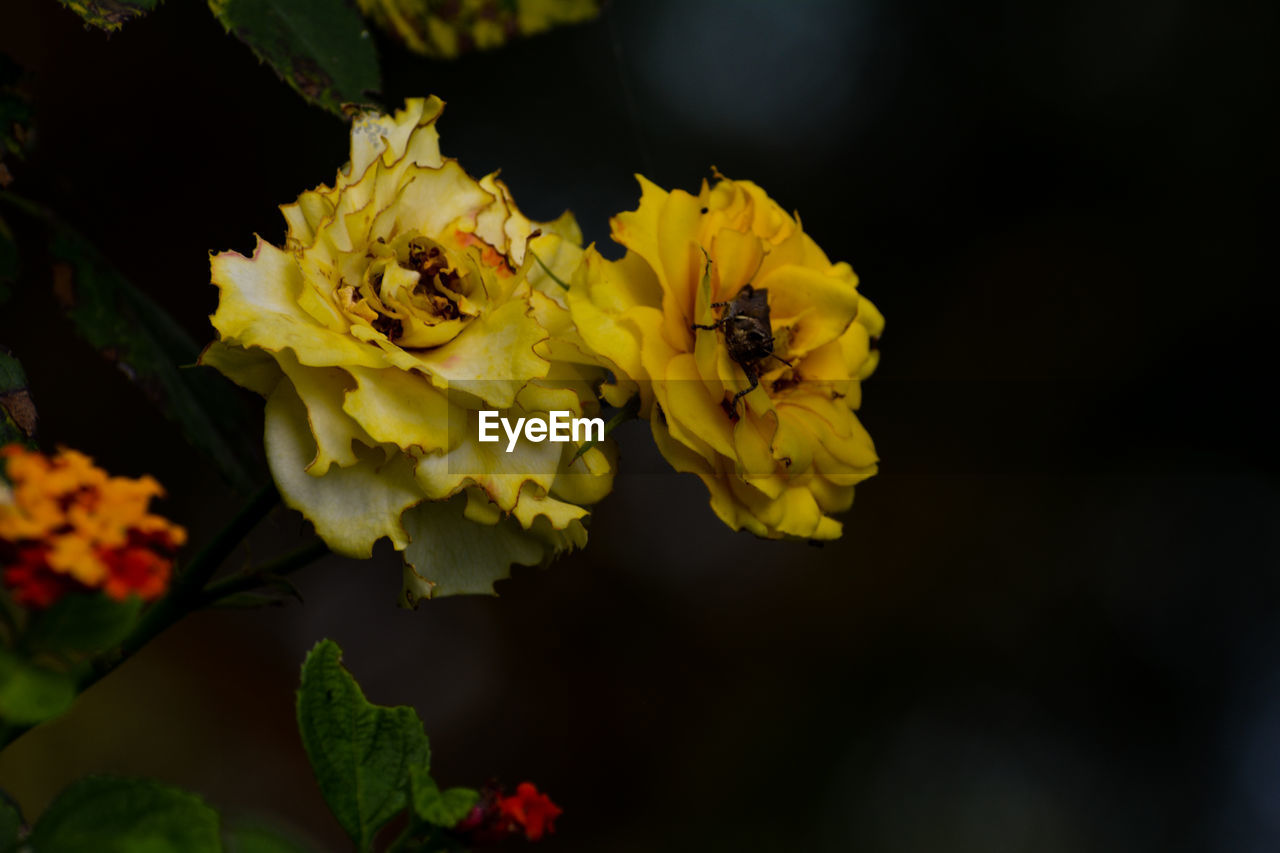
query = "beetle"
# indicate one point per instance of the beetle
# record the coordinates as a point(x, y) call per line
point(748, 336)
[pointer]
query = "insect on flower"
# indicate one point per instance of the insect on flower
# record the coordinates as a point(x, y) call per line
point(748, 336)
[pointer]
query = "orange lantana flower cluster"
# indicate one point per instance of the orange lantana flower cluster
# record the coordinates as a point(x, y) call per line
point(66, 526)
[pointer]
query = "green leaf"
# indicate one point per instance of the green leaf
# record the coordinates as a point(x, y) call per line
point(148, 346)
point(441, 808)
point(259, 837)
point(319, 47)
point(30, 694)
point(11, 823)
point(17, 412)
point(111, 815)
point(361, 753)
point(83, 622)
point(110, 15)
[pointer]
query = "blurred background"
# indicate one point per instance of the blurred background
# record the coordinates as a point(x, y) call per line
point(1053, 622)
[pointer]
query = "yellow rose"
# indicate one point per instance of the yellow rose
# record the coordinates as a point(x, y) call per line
point(780, 458)
point(447, 30)
point(406, 300)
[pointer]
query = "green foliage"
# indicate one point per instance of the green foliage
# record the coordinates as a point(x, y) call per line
point(440, 808)
point(83, 623)
point(319, 47)
point(31, 694)
point(146, 343)
point(110, 815)
point(255, 837)
point(362, 754)
point(17, 412)
point(11, 823)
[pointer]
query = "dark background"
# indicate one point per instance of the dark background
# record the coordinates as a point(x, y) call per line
point(1052, 623)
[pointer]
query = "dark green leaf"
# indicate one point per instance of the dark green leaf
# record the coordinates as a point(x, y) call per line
point(361, 753)
point(258, 837)
point(441, 808)
point(109, 15)
point(319, 47)
point(108, 815)
point(30, 694)
point(83, 622)
point(17, 412)
point(146, 344)
point(11, 823)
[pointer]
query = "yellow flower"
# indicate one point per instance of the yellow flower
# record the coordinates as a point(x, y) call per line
point(445, 30)
point(780, 458)
point(406, 300)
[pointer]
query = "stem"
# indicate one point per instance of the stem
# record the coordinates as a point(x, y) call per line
point(187, 592)
point(253, 578)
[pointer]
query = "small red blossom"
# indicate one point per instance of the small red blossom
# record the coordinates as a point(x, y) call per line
point(530, 810)
point(33, 583)
point(497, 817)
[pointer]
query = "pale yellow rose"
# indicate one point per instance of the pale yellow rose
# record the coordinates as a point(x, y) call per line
point(785, 457)
point(406, 299)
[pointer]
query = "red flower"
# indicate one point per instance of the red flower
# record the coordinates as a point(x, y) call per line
point(33, 583)
point(530, 810)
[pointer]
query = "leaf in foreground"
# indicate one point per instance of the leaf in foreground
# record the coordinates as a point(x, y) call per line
point(83, 622)
point(259, 837)
point(30, 694)
point(114, 815)
point(361, 753)
point(148, 346)
point(319, 47)
point(437, 807)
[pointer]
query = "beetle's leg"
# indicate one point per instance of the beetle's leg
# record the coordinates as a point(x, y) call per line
point(754, 376)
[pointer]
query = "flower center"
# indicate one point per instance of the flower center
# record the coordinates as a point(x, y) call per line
point(415, 291)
